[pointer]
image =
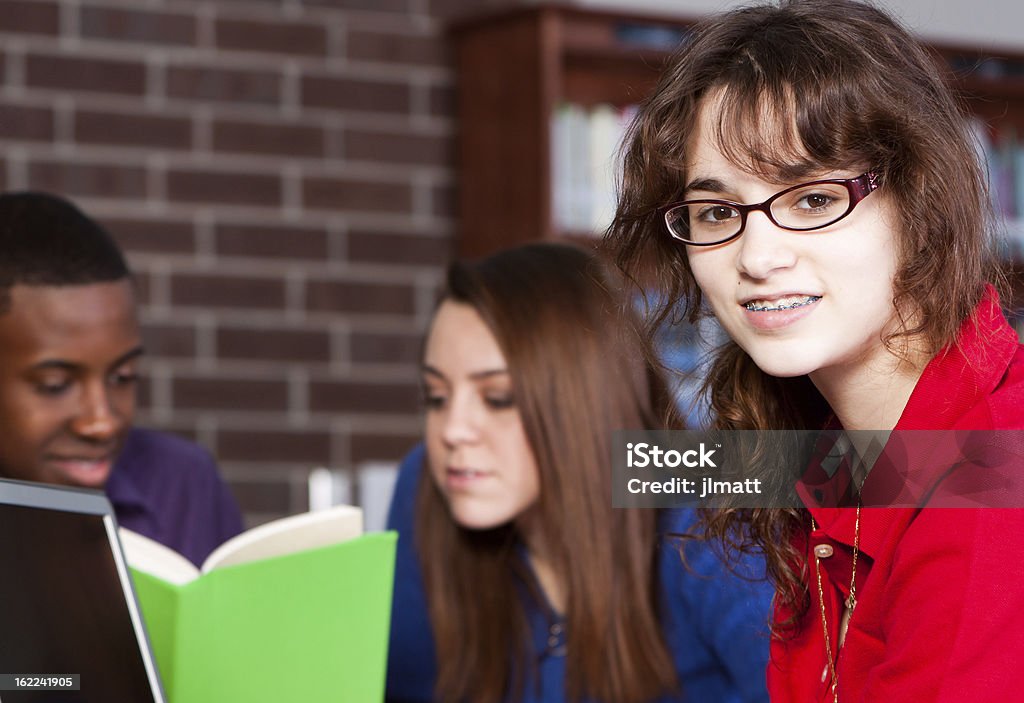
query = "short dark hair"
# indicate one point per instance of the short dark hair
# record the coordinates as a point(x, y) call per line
point(46, 241)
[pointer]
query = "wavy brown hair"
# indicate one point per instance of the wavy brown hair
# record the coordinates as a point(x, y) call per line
point(578, 372)
point(841, 85)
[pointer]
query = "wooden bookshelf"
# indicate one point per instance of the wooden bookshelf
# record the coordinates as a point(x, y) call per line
point(514, 68)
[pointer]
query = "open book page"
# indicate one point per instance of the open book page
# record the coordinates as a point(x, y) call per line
point(145, 554)
point(291, 534)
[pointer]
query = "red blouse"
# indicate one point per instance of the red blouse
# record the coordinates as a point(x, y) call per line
point(940, 591)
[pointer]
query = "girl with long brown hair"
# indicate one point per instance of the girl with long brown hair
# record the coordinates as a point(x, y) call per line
point(803, 173)
point(516, 578)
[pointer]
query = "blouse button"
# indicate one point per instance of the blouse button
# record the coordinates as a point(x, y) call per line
point(823, 551)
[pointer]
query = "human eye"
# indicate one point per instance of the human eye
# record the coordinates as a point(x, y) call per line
point(433, 399)
point(815, 202)
point(500, 401)
point(52, 385)
point(714, 214)
point(124, 376)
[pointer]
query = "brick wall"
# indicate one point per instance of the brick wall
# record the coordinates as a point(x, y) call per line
point(281, 174)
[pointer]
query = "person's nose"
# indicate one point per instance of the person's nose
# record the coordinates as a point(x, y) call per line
point(461, 422)
point(764, 247)
point(97, 419)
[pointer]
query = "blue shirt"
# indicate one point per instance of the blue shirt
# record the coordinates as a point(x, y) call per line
point(168, 489)
point(715, 621)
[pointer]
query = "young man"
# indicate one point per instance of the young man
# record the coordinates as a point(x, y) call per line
point(69, 352)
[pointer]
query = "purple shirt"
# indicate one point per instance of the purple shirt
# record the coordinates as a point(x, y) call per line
point(168, 489)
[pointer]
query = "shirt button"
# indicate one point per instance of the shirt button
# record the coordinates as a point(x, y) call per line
point(823, 551)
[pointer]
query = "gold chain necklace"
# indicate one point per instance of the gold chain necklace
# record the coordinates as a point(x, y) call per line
point(850, 604)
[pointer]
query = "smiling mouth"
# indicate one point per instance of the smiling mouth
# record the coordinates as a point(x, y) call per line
point(89, 472)
point(787, 303)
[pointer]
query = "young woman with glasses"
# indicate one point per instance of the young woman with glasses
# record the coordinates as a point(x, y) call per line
point(516, 579)
point(803, 174)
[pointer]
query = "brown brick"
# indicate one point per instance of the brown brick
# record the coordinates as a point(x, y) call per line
point(274, 37)
point(403, 48)
point(142, 286)
point(354, 94)
point(273, 345)
point(144, 394)
point(396, 148)
point(152, 236)
point(37, 17)
point(355, 194)
point(366, 446)
point(119, 24)
point(223, 187)
point(24, 123)
point(205, 290)
point(371, 298)
point(441, 100)
point(456, 9)
point(277, 241)
point(364, 397)
point(363, 5)
point(387, 348)
point(90, 180)
point(255, 394)
point(78, 73)
point(166, 340)
point(442, 200)
point(313, 448)
point(393, 248)
point(264, 138)
point(94, 127)
point(263, 496)
point(223, 85)
point(244, 3)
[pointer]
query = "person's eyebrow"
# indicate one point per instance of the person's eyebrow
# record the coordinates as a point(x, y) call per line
point(489, 373)
point(431, 371)
point(66, 365)
point(711, 185)
point(130, 355)
point(60, 364)
point(476, 375)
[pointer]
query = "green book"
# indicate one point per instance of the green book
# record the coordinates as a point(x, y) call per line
point(294, 610)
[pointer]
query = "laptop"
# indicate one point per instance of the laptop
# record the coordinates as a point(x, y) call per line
point(68, 614)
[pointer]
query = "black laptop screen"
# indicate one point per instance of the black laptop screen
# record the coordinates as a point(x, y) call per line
point(63, 609)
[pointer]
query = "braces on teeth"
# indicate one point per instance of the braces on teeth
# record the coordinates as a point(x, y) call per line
point(768, 308)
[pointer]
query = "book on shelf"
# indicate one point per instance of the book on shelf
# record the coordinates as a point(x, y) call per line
point(296, 609)
point(605, 132)
point(585, 145)
point(1002, 156)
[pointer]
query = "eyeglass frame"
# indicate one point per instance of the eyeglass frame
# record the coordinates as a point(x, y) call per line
point(859, 187)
